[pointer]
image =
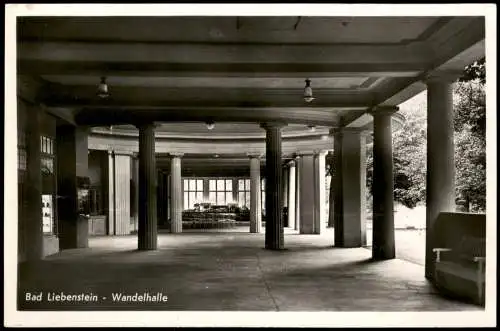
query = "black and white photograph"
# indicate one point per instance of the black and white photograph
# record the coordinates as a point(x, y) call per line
point(245, 165)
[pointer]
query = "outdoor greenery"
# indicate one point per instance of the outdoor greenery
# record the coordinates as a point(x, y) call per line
point(409, 146)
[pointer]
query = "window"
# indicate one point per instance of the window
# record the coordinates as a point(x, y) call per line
point(193, 192)
point(244, 193)
point(21, 150)
point(47, 158)
point(95, 201)
point(263, 194)
point(220, 191)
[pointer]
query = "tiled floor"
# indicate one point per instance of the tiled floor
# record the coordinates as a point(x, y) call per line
point(232, 271)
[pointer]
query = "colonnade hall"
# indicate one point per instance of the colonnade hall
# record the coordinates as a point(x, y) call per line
point(220, 162)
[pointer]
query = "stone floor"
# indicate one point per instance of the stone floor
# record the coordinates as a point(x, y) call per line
point(231, 271)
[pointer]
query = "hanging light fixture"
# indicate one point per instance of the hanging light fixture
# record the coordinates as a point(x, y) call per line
point(308, 93)
point(102, 89)
point(210, 125)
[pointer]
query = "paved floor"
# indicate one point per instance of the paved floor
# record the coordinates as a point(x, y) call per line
point(231, 271)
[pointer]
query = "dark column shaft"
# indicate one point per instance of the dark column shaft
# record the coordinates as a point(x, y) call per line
point(338, 205)
point(147, 234)
point(34, 230)
point(274, 220)
point(383, 187)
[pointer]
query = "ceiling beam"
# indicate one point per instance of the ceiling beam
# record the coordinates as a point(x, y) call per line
point(185, 53)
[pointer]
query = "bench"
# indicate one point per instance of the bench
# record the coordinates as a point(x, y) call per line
point(466, 261)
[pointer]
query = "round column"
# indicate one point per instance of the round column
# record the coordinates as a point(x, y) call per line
point(176, 193)
point(291, 195)
point(274, 194)
point(255, 202)
point(440, 188)
point(383, 246)
point(148, 231)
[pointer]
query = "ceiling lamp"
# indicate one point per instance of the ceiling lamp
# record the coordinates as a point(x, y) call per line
point(102, 89)
point(210, 125)
point(308, 93)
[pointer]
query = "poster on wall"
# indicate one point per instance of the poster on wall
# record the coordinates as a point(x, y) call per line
point(47, 213)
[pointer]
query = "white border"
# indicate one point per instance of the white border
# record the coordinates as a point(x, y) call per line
point(320, 319)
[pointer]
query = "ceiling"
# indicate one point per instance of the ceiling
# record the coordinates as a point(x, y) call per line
point(237, 69)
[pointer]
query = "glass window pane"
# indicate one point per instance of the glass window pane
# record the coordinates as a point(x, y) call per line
point(50, 165)
point(241, 198)
point(263, 184)
point(186, 185)
point(192, 184)
point(229, 197)
point(51, 146)
point(192, 198)
point(221, 198)
point(247, 184)
point(186, 200)
point(199, 197)
point(220, 185)
point(247, 200)
point(241, 184)
point(229, 185)
point(212, 198)
point(199, 185)
point(211, 185)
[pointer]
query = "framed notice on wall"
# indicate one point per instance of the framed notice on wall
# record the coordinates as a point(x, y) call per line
point(47, 213)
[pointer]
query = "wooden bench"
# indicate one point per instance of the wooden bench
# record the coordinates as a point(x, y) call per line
point(465, 261)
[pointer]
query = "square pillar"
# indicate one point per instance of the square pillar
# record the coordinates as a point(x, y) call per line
point(121, 196)
point(176, 193)
point(297, 193)
point(350, 197)
point(319, 192)
point(72, 165)
point(33, 227)
point(307, 193)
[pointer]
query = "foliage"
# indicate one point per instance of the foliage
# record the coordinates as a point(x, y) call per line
point(476, 70)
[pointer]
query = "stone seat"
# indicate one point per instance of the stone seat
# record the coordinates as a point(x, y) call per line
point(456, 268)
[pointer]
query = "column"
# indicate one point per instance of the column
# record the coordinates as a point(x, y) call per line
point(255, 202)
point(383, 246)
point(307, 193)
point(331, 196)
point(291, 195)
point(440, 157)
point(337, 187)
point(72, 168)
point(111, 193)
point(319, 192)
point(176, 193)
point(284, 202)
point(148, 231)
point(135, 179)
point(274, 194)
point(122, 192)
point(33, 233)
point(351, 224)
point(297, 193)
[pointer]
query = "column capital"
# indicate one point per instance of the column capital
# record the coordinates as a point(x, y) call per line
point(304, 153)
point(291, 163)
point(272, 125)
point(254, 155)
point(444, 76)
point(320, 152)
point(144, 123)
point(129, 153)
point(383, 110)
point(176, 154)
point(335, 131)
